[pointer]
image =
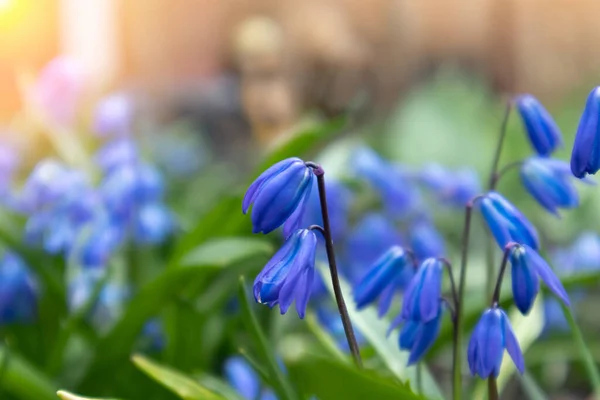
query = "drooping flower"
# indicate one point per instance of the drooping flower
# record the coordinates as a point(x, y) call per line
point(549, 182)
point(422, 297)
point(417, 336)
point(370, 238)
point(18, 290)
point(113, 116)
point(585, 158)
point(425, 240)
point(527, 266)
point(542, 131)
point(392, 271)
point(506, 222)
point(240, 375)
point(492, 335)
point(309, 212)
point(276, 194)
point(289, 274)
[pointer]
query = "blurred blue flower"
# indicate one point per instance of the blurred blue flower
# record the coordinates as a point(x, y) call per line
point(399, 194)
point(585, 158)
point(276, 194)
point(113, 115)
point(425, 240)
point(506, 222)
point(391, 272)
point(153, 336)
point(153, 224)
point(18, 290)
point(492, 335)
point(240, 375)
point(116, 153)
point(289, 274)
point(369, 239)
point(95, 244)
point(422, 297)
point(452, 188)
point(543, 132)
point(418, 336)
point(549, 182)
point(585, 252)
point(527, 265)
point(329, 317)
point(309, 212)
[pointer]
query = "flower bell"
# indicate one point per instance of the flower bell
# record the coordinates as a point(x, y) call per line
point(422, 297)
point(492, 335)
point(289, 274)
point(18, 290)
point(506, 222)
point(543, 132)
point(425, 240)
point(527, 267)
point(585, 157)
point(418, 337)
point(393, 270)
point(276, 194)
point(549, 182)
point(242, 377)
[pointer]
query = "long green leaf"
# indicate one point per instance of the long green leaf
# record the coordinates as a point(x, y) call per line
point(64, 395)
point(374, 330)
point(177, 382)
point(278, 379)
point(584, 353)
point(22, 379)
point(531, 388)
point(331, 380)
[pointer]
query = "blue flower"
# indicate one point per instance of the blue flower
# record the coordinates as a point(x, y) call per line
point(289, 274)
point(240, 375)
point(116, 153)
point(452, 188)
point(309, 212)
point(392, 271)
point(585, 252)
point(549, 182)
point(153, 223)
point(399, 195)
point(417, 336)
point(422, 297)
point(425, 240)
point(276, 194)
point(506, 222)
point(18, 290)
point(527, 265)
point(113, 115)
point(492, 335)
point(585, 158)
point(96, 244)
point(329, 317)
point(371, 237)
point(153, 335)
point(543, 132)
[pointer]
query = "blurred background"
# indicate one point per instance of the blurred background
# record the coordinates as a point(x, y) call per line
point(228, 81)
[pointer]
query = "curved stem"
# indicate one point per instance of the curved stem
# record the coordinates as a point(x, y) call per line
point(507, 250)
point(457, 337)
point(493, 180)
point(505, 169)
point(452, 284)
point(339, 297)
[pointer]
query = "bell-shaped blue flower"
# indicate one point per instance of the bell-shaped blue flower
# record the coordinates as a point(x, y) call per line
point(506, 222)
point(543, 132)
point(240, 375)
point(527, 266)
point(289, 274)
point(370, 238)
point(492, 335)
point(18, 290)
point(549, 182)
point(585, 157)
point(417, 336)
point(425, 240)
point(309, 212)
point(422, 297)
point(276, 194)
point(392, 271)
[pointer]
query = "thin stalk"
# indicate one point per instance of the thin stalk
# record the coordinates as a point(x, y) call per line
point(493, 180)
point(492, 389)
point(507, 251)
point(339, 298)
point(419, 377)
point(452, 284)
point(457, 337)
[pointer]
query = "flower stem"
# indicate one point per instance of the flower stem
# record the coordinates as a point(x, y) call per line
point(457, 337)
point(507, 251)
point(492, 389)
point(493, 180)
point(339, 298)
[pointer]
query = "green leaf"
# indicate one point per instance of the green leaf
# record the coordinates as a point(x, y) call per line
point(331, 380)
point(23, 380)
point(278, 379)
point(374, 330)
point(180, 384)
point(152, 297)
point(584, 353)
point(300, 142)
point(324, 338)
point(226, 251)
point(64, 395)
point(531, 388)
